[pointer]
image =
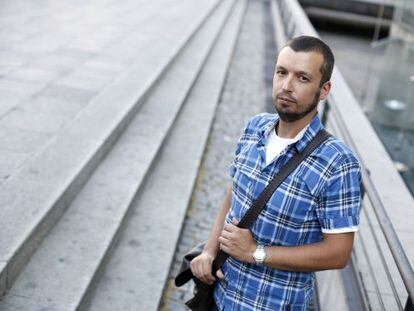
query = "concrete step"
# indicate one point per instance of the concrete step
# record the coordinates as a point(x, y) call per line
point(36, 197)
point(137, 272)
point(77, 248)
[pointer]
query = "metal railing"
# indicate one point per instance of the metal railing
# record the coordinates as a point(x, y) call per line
point(373, 252)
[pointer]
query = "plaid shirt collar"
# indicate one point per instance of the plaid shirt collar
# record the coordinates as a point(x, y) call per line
point(313, 128)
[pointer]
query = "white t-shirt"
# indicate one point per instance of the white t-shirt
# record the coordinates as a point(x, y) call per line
point(275, 144)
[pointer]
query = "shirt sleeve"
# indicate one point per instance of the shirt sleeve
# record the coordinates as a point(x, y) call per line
point(340, 201)
point(242, 139)
point(232, 166)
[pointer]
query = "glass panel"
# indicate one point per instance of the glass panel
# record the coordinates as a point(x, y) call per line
point(392, 111)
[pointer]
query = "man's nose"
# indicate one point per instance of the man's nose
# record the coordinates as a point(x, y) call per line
point(287, 83)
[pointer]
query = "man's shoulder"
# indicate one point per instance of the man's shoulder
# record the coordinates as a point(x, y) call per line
point(333, 159)
point(335, 152)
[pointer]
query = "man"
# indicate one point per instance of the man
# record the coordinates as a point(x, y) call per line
point(309, 222)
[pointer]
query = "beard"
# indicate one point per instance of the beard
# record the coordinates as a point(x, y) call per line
point(289, 116)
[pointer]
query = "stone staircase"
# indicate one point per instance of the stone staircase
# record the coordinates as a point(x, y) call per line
point(92, 221)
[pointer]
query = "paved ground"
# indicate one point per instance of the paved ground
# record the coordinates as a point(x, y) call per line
point(55, 58)
point(354, 60)
point(245, 94)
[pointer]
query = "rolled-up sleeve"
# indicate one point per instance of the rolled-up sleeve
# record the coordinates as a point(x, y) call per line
point(340, 201)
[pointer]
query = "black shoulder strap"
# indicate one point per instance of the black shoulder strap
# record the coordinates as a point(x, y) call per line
point(259, 204)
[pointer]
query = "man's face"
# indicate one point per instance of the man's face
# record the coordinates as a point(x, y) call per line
point(296, 84)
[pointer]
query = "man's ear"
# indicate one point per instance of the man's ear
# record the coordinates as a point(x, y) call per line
point(326, 87)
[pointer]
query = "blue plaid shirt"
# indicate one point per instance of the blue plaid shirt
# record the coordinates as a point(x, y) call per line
point(321, 195)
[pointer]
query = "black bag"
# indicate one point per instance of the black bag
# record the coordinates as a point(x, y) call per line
point(203, 293)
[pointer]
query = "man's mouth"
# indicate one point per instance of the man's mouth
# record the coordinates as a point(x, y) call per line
point(285, 99)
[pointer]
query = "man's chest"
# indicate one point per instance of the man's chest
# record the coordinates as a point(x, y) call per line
point(291, 210)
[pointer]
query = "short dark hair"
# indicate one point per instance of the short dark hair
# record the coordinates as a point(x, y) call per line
point(313, 44)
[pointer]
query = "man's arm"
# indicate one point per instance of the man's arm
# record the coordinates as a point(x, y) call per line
point(201, 265)
point(212, 245)
point(331, 253)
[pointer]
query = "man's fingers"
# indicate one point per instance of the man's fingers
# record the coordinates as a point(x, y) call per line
point(230, 228)
point(201, 269)
point(220, 274)
point(223, 240)
point(207, 276)
point(194, 270)
point(226, 234)
point(226, 249)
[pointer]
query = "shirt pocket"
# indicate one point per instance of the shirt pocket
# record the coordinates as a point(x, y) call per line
point(245, 161)
point(244, 174)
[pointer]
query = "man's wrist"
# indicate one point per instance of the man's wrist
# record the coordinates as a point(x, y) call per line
point(259, 254)
point(249, 254)
point(212, 251)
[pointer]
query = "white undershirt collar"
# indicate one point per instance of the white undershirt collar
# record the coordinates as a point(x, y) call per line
point(275, 144)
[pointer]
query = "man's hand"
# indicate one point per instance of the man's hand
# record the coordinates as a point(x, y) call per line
point(201, 267)
point(237, 242)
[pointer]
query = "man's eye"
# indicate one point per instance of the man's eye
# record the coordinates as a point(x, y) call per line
point(280, 72)
point(303, 79)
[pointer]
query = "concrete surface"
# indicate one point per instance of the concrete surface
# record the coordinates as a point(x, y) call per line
point(245, 91)
point(82, 238)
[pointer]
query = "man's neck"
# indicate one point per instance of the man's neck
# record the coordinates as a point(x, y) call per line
point(291, 129)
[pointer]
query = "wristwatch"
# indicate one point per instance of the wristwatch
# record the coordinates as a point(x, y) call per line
point(259, 254)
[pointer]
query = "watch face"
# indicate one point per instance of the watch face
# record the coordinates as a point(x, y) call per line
point(260, 255)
